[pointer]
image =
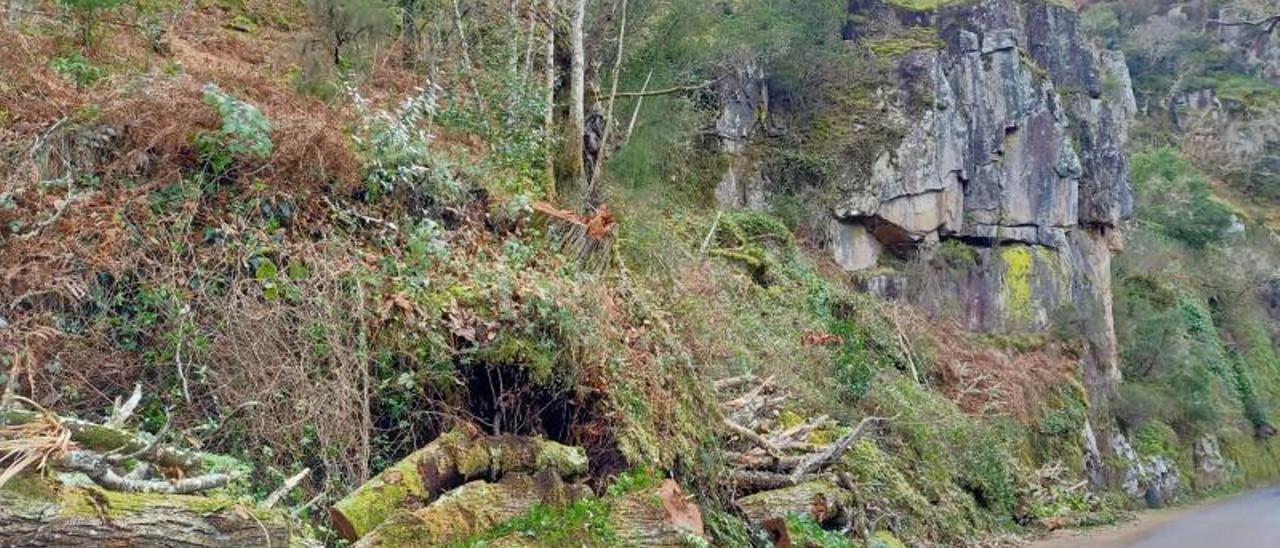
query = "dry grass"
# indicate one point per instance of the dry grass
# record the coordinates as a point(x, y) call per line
point(32, 444)
point(983, 378)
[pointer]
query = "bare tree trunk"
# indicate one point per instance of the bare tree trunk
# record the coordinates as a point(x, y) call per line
point(466, 55)
point(608, 114)
point(631, 126)
point(573, 130)
point(530, 37)
point(409, 33)
point(513, 21)
point(549, 74)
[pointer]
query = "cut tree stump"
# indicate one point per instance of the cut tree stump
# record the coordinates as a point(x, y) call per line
point(822, 499)
point(34, 512)
point(448, 462)
point(473, 508)
point(659, 516)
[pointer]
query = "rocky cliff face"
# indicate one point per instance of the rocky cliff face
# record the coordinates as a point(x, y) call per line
point(1003, 197)
point(1237, 132)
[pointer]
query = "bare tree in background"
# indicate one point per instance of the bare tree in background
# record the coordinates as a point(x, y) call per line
point(576, 122)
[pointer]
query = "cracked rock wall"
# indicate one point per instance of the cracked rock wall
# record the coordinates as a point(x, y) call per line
point(1012, 159)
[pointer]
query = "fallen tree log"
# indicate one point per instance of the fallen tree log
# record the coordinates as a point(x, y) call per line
point(750, 461)
point(822, 499)
point(471, 509)
point(751, 481)
point(448, 462)
point(734, 382)
point(659, 516)
point(111, 439)
point(33, 512)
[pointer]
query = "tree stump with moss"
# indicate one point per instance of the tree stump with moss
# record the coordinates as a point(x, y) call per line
point(451, 460)
point(36, 512)
point(822, 499)
point(471, 509)
point(659, 516)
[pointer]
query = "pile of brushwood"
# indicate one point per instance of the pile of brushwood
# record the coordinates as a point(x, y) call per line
point(71, 482)
point(464, 484)
point(778, 470)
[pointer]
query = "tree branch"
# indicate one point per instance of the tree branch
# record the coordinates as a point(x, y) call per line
point(106, 438)
point(668, 91)
point(288, 485)
point(755, 438)
point(834, 451)
point(1268, 24)
point(98, 470)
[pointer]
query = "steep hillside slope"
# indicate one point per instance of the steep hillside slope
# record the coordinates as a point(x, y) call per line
point(934, 273)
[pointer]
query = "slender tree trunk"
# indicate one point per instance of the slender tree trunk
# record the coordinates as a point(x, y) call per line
point(513, 21)
point(465, 49)
point(409, 33)
point(631, 126)
point(573, 166)
point(613, 95)
point(530, 37)
point(549, 75)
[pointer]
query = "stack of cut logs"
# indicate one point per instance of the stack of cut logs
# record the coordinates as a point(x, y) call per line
point(463, 484)
point(776, 469)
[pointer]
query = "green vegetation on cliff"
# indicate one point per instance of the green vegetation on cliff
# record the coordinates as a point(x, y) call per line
point(326, 258)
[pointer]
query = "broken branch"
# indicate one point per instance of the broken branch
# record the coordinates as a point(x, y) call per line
point(121, 412)
point(670, 90)
point(96, 467)
point(107, 438)
point(755, 438)
point(288, 485)
point(834, 451)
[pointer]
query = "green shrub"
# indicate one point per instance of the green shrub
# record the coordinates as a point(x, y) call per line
point(1175, 197)
point(803, 530)
point(78, 69)
point(396, 152)
point(245, 134)
point(1155, 438)
point(87, 13)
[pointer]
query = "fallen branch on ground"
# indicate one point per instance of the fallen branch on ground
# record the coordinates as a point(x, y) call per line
point(754, 437)
point(284, 489)
point(103, 438)
point(99, 470)
point(833, 451)
point(757, 480)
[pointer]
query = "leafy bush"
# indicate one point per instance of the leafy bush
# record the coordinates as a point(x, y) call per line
point(245, 133)
point(79, 69)
point(1175, 197)
point(396, 150)
point(87, 13)
point(508, 111)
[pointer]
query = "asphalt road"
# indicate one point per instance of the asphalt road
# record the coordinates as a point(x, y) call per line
point(1251, 520)
point(1248, 521)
